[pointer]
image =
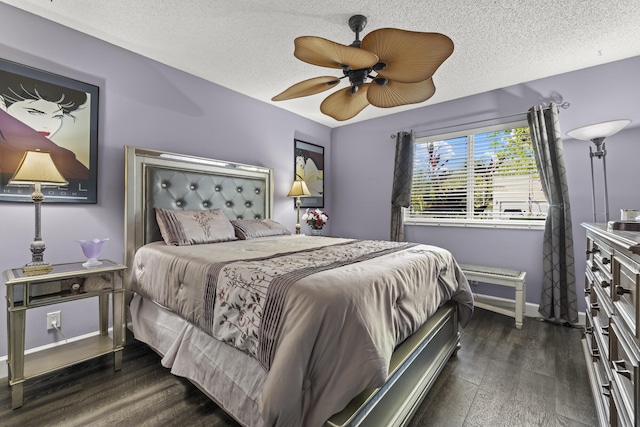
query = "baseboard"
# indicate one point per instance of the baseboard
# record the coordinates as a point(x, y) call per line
point(4, 368)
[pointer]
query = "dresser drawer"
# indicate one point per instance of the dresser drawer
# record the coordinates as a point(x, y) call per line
point(626, 279)
point(624, 371)
point(600, 308)
point(619, 417)
point(599, 277)
point(601, 254)
point(588, 336)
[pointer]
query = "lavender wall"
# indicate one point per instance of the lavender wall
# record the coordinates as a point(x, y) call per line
point(363, 155)
point(146, 104)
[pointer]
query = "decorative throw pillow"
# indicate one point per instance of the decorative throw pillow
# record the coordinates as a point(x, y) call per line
point(252, 228)
point(182, 228)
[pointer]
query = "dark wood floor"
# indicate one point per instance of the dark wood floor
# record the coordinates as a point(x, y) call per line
point(501, 376)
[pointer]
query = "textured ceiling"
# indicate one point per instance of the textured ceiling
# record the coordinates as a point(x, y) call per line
point(247, 45)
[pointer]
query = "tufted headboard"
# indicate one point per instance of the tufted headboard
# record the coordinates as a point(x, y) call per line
point(176, 181)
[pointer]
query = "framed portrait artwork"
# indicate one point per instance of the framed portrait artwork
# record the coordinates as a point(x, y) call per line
point(309, 167)
point(48, 112)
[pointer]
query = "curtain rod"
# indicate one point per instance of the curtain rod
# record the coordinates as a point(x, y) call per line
point(564, 105)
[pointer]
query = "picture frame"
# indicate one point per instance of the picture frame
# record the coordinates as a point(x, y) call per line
point(48, 112)
point(308, 165)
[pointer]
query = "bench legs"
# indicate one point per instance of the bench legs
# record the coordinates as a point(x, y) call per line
point(521, 292)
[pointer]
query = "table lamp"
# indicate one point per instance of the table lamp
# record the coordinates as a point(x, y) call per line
point(37, 168)
point(597, 133)
point(298, 189)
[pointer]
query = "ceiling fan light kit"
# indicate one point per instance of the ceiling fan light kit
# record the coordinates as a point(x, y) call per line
point(388, 68)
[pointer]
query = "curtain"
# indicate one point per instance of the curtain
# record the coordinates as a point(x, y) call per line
point(558, 301)
point(402, 177)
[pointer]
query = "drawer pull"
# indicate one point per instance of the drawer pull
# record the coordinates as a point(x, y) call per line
point(587, 291)
point(619, 367)
point(588, 330)
point(594, 268)
point(621, 291)
point(605, 284)
point(605, 330)
point(595, 306)
point(606, 389)
point(595, 353)
point(606, 261)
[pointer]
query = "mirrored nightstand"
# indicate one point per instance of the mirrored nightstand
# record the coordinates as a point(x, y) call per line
point(66, 282)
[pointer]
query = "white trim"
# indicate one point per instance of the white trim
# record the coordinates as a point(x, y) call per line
point(441, 222)
point(4, 369)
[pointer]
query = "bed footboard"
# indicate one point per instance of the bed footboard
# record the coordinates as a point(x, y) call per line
point(414, 367)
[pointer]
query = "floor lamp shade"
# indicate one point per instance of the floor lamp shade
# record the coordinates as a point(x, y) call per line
point(598, 130)
point(597, 133)
point(298, 189)
point(37, 169)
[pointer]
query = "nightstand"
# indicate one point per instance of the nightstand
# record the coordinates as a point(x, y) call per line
point(66, 282)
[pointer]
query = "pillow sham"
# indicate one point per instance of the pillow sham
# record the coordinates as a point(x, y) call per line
point(182, 228)
point(251, 228)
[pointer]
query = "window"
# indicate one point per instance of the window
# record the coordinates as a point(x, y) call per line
point(481, 177)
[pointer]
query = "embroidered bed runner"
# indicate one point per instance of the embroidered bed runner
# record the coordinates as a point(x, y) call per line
point(244, 299)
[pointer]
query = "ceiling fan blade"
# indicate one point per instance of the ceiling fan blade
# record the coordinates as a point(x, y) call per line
point(343, 105)
point(409, 56)
point(325, 53)
point(394, 94)
point(307, 87)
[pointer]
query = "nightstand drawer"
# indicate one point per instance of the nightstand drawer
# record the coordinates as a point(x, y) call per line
point(57, 289)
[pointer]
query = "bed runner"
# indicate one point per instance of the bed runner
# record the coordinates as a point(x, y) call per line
point(243, 300)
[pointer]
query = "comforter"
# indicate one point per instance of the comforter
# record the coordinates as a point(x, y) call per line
point(335, 327)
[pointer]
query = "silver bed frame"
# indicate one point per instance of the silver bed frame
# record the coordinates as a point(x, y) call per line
point(176, 181)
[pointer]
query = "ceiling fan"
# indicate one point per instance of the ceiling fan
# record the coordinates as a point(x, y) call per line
point(399, 64)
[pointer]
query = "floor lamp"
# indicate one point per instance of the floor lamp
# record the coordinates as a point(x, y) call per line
point(37, 168)
point(298, 189)
point(597, 133)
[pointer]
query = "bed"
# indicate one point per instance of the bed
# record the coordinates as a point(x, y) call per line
point(305, 349)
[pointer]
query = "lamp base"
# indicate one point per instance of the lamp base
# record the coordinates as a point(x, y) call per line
point(36, 268)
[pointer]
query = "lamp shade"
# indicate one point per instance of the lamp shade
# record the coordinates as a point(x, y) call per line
point(37, 167)
point(598, 130)
point(299, 188)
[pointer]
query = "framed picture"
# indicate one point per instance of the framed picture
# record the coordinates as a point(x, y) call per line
point(308, 165)
point(40, 110)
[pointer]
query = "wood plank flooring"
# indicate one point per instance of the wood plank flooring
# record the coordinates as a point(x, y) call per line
point(501, 376)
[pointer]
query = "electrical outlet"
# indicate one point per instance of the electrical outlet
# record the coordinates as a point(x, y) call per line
point(53, 320)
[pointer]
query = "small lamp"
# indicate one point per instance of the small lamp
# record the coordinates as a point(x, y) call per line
point(597, 133)
point(298, 189)
point(37, 168)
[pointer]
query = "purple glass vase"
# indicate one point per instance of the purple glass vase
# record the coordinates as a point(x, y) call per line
point(92, 250)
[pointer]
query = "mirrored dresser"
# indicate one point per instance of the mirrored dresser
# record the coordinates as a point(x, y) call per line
point(612, 331)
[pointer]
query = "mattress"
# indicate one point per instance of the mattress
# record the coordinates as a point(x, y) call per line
point(334, 331)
